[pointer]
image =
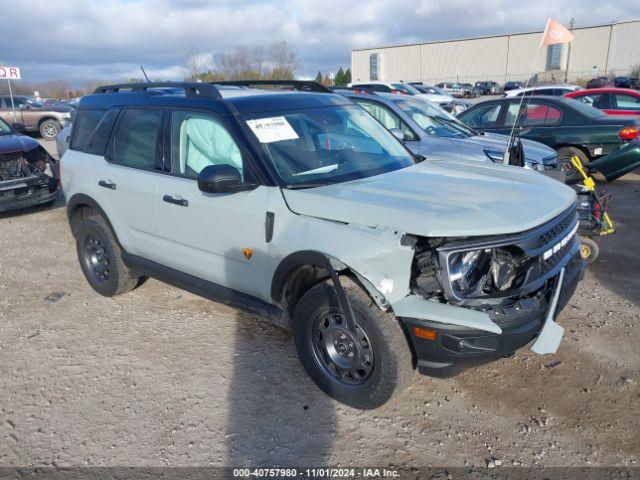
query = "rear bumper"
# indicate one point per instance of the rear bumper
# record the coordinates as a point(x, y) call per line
point(462, 346)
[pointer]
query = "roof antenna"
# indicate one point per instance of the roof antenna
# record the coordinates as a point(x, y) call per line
point(145, 74)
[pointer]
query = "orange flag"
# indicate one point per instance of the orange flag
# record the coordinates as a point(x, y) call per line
point(554, 33)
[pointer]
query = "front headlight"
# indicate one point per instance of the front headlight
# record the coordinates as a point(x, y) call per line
point(468, 270)
point(538, 167)
point(494, 156)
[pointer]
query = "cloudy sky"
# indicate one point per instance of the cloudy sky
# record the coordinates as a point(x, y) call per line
point(79, 40)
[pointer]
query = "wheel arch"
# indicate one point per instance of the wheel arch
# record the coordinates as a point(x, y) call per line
point(81, 206)
point(301, 270)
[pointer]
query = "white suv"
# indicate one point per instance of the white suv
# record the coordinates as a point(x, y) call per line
point(303, 209)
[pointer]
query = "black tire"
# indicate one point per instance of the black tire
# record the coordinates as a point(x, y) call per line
point(100, 258)
point(49, 129)
point(379, 339)
point(589, 250)
point(564, 157)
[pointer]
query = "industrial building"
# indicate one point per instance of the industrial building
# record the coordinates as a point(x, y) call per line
point(610, 50)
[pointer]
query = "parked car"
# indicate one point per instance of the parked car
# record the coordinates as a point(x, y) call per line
point(511, 85)
point(430, 131)
point(570, 127)
point(433, 95)
point(549, 90)
point(62, 140)
point(453, 89)
point(47, 121)
point(600, 82)
point(489, 87)
point(469, 91)
point(627, 82)
point(28, 174)
point(302, 208)
point(613, 101)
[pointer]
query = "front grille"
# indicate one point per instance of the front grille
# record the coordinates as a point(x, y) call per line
point(557, 230)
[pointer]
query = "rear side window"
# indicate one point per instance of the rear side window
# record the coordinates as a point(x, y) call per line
point(135, 142)
point(627, 102)
point(97, 143)
point(84, 124)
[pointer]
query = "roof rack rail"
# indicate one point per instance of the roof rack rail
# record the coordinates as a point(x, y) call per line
point(301, 85)
point(191, 89)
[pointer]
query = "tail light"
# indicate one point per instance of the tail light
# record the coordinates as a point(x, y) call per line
point(629, 133)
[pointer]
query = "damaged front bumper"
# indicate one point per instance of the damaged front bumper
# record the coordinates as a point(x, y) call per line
point(27, 180)
point(476, 328)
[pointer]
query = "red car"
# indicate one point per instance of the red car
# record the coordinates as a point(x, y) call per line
point(613, 101)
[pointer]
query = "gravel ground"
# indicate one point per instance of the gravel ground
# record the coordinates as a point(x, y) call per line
point(161, 377)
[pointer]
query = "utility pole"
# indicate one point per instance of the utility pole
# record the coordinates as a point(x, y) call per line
point(566, 70)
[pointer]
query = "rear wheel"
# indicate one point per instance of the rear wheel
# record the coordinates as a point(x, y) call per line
point(363, 367)
point(100, 258)
point(571, 172)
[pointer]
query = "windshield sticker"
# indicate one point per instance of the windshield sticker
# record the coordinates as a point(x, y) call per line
point(272, 129)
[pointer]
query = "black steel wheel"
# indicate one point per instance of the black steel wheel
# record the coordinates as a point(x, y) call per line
point(346, 356)
point(100, 258)
point(363, 366)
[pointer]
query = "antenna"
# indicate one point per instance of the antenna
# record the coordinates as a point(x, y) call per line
point(145, 74)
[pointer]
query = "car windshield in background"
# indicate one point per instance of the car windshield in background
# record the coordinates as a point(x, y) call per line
point(403, 87)
point(34, 103)
point(432, 121)
point(4, 128)
point(314, 147)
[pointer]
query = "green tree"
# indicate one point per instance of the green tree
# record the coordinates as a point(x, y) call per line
point(319, 77)
point(347, 76)
point(339, 80)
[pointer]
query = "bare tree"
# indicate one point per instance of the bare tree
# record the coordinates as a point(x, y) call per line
point(193, 64)
point(284, 60)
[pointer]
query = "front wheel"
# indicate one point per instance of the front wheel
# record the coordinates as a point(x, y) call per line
point(363, 367)
point(571, 172)
point(49, 129)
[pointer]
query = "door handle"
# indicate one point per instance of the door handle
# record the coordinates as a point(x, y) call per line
point(109, 185)
point(176, 201)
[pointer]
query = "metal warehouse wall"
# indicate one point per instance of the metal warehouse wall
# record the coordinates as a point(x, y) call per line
point(613, 49)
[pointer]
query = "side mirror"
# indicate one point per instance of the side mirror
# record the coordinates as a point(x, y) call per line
point(18, 127)
point(222, 179)
point(398, 134)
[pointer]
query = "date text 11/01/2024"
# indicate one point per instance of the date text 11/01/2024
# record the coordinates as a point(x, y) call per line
point(315, 472)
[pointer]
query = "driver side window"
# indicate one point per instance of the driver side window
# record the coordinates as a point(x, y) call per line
point(199, 140)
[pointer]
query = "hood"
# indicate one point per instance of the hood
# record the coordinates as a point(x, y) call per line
point(16, 143)
point(440, 199)
point(533, 151)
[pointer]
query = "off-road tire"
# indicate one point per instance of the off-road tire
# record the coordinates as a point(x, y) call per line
point(392, 369)
point(98, 250)
point(49, 129)
point(564, 157)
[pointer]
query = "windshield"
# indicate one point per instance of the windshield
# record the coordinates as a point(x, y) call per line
point(33, 102)
point(434, 120)
point(314, 147)
point(408, 89)
point(4, 128)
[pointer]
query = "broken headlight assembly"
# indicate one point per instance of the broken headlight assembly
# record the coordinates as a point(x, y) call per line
point(486, 272)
